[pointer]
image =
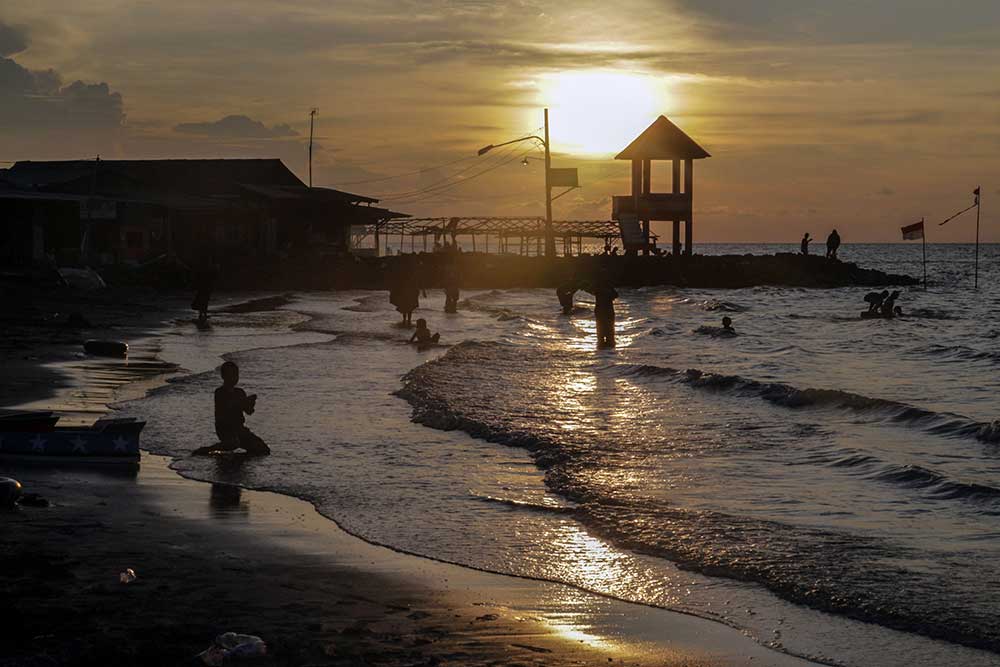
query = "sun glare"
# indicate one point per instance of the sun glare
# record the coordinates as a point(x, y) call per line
point(598, 112)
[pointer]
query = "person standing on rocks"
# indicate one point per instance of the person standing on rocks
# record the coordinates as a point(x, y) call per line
point(832, 244)
point(804, 246)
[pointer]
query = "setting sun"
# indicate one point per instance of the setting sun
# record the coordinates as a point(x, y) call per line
point(597, 112)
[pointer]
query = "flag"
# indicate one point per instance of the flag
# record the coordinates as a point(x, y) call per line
point(976, 193)
point(914, 231)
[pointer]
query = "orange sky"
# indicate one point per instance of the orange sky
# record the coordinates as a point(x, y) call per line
point(817, 114)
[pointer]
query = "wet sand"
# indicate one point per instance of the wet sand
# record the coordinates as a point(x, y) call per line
point(213, 558)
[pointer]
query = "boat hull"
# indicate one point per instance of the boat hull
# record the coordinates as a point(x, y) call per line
point(107, 441)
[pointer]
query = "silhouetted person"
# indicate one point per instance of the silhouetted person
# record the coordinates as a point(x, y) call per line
point(204, 283)
point(404, 293)
point(422, 335)
point(604, 312)
point(231, 403)
point(889, 305)
point(565, 294)
point(727, 325)
point(451, 292)
point(804, 246)
point(832, 244)
point(875, 299)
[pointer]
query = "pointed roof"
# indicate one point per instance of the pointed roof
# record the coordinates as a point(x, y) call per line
point(663, 141)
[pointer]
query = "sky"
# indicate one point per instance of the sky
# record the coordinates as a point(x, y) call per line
point(858, 115)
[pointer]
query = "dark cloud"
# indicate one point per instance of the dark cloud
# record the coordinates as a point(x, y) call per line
point(12, 39)
point(237, 126)
point(37, 99)
point(886, 191)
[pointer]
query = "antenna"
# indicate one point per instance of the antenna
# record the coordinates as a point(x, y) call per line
point(312, 116)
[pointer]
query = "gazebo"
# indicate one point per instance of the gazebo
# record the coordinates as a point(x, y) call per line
point(660, 141)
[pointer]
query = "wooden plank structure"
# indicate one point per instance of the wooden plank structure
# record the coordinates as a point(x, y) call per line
point(518, 235)
point(660, 141)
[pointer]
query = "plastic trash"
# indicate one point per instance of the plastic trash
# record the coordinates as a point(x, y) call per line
point(233, 646)
point(128, 576)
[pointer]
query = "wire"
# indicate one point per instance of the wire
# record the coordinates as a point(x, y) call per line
point(439, 183)
point(430, 193)
point(409, 173)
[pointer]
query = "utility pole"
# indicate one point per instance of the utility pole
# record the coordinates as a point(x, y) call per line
point(550, 239)
point(979, 195)
point(312, 116)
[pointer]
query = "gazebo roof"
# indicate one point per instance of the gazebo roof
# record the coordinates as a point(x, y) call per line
point(663, 141)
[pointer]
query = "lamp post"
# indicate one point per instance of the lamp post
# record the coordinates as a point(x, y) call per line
point(550, 239)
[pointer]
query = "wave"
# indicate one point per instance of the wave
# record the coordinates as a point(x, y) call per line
point(959, 353)
point(827, 569)
point(933, 484)
point(944, 424)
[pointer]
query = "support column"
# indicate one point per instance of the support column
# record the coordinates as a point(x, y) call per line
point(646, 169)
point(689, 191)
point(677, 237)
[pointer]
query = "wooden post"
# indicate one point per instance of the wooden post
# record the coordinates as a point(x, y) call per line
point(646, 169)
point(676, 185)
point(689, 191)
point(677, 237)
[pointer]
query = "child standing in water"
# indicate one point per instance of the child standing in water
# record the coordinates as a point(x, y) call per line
point(231, 403)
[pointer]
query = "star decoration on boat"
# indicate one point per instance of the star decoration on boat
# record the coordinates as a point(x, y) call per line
point(121, 444)
point(78, 445)
point(38, 444)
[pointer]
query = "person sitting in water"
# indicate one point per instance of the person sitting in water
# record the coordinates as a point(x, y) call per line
point(727, 325)
point(889, 305)
point(422, 335)
point(231, 403)
point(565, 294)
point(875, 299)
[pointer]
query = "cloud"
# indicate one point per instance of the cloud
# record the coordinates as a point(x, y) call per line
point(37, 99)
point(237, 126)
point(12, 39)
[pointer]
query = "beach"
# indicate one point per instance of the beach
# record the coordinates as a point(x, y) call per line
point(214, 558)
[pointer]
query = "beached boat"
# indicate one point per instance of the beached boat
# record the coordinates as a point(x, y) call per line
point(35, 436)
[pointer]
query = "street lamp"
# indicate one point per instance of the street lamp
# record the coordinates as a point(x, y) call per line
point(550, 239)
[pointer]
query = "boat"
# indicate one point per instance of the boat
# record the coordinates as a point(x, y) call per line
point(35, 436)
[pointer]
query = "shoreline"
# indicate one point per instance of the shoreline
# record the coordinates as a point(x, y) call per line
point(609, 627)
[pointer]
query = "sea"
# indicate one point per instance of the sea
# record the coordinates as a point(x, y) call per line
point(829, 485)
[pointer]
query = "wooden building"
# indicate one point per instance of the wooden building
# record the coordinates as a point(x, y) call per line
point(110, 211)
point(660, 141)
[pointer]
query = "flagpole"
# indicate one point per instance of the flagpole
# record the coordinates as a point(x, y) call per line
point(979, 205)
point(923, 240)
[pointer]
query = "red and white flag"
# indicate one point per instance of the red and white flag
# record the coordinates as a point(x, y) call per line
point(914, 231)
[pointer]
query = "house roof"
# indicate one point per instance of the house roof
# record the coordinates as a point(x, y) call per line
point(663, 141)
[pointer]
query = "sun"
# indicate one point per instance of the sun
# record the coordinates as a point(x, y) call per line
point(598, 112)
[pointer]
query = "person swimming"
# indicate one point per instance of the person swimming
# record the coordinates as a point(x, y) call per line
point(727, 325)
point(422, 335)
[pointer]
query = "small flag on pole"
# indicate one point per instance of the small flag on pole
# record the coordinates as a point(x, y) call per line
point(976, 193)
point(914, 231)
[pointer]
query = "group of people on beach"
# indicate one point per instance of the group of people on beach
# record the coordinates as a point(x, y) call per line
point(832, 244)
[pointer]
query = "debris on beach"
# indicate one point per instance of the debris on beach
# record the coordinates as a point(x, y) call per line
point(233, 646)
point(10, 491)
point(128, 576)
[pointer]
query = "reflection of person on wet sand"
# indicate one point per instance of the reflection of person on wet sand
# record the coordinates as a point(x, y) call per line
point(422, 335)
point(604, 312)
point(231, 403)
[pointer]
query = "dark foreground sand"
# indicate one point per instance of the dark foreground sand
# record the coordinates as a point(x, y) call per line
point(215, 558)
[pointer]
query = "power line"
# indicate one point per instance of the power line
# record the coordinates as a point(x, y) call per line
point(416, 191)
point(431, 193)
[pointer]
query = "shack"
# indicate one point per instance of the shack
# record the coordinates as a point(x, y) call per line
point(132, 211)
